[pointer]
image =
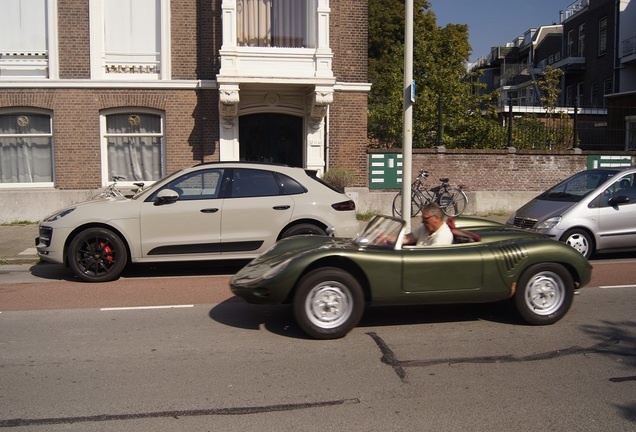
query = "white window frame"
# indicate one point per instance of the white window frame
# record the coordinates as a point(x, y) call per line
point(295, 64)
point(34, 64)
point(129, 70)
point(581, 41)
point(104, 143)
point(50, 135)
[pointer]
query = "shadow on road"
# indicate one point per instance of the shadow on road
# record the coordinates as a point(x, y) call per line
point(279, 319)
point(199, 268)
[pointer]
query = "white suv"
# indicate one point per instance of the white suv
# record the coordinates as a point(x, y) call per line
point(219, 210)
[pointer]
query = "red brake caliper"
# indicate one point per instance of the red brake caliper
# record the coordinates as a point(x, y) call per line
point(108, 252)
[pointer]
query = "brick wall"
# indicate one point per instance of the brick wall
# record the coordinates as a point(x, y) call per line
point(348, 114)
point(191, 137)
point(501, 170)
point(348, 134)
point(195, 47)
point(74, 49)
point(348, 26)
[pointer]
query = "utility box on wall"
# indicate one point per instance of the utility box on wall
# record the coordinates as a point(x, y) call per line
point(385, 171)
point(608, 161)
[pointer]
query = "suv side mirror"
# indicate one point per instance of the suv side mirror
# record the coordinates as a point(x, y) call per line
point(166, 196)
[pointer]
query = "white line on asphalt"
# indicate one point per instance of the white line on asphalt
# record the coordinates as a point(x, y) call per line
point(616, 286)
point(145, 307)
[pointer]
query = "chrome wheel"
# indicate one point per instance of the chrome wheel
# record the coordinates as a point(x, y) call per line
point(328, 305)
point(545, 293)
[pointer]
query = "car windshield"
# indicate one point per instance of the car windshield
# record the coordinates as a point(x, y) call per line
point(577, 187)
point(382, 231)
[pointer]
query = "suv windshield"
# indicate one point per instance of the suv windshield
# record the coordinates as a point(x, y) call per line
point(577, 187)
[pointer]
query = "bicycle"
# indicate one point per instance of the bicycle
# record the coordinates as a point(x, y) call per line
point(451, 199)
point(111, 189)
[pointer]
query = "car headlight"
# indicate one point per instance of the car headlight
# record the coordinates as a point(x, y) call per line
point(275, 271)
point(59, 215)
point(548, 223)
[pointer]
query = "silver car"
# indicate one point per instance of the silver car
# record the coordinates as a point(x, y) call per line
point(592, 211)
point(230, 210)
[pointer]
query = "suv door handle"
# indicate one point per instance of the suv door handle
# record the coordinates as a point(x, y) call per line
point(281, 207)
point(209, 210)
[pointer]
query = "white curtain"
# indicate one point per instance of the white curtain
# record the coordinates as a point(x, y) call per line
point(134, 146)
point(276, 23)
point(25, 155)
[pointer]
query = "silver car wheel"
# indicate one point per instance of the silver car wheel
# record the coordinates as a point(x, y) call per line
point(545, 293)
point(579, 242)
point(329, 305)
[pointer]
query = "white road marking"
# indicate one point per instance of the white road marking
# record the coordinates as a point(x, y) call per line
point(145, 307)
point(616, 286)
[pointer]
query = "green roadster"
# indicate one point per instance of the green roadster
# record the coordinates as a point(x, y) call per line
point(329, 281)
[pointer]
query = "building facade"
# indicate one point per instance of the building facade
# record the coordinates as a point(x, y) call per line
point(594, 46)
point(92, 89)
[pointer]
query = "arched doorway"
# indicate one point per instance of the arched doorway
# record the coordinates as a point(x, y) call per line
point(273, 138)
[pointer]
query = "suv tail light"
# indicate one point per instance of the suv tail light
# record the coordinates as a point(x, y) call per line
point(344, 206)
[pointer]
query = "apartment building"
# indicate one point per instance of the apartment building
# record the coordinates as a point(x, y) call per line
point(91, 89)
point(594, 45)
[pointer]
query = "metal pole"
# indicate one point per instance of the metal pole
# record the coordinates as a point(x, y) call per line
point(439, 119)
point(407, 126)
point(575, 125)
point(509, 122)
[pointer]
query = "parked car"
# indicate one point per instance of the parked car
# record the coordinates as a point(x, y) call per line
point(209, 211)
point(329, 281)
point(592, 211)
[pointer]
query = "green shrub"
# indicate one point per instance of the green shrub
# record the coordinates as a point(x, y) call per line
point(339, 178)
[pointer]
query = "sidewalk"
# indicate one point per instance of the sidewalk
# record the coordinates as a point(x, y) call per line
point(17, 242)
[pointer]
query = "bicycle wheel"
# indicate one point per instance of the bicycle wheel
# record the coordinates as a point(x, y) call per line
point(416, 204)
point(453, 203)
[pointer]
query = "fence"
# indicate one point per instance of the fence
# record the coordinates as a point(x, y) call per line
point(611, 128)
point(589, 128)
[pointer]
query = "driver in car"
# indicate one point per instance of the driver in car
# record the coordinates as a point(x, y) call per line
point(433, 231)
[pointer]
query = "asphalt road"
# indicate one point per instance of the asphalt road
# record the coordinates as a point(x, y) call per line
point(179, 353)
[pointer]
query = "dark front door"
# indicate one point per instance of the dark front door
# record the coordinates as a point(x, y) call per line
point(273, 138)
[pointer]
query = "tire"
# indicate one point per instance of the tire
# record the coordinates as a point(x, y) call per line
point(302, 229)
point(580, 240)
point(328, 303)
point(453, 203)
point(97, 255)
point(544, 293)
point(416, 204)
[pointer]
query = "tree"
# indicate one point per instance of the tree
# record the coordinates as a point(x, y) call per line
point(439, 56)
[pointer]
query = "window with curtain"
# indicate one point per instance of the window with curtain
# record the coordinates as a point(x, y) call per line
point(23, 38)
point(26, 149)
point(134, 144)
point(277, 23)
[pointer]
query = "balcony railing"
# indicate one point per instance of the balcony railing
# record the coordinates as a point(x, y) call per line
point(628, 46)
point(576, 7)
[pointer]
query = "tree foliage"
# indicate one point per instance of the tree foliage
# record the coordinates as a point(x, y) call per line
point(439, 56)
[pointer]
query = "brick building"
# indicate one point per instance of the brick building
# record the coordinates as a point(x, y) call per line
point(90, 89)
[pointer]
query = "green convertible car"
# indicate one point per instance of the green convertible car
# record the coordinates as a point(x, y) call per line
point(329, 281)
